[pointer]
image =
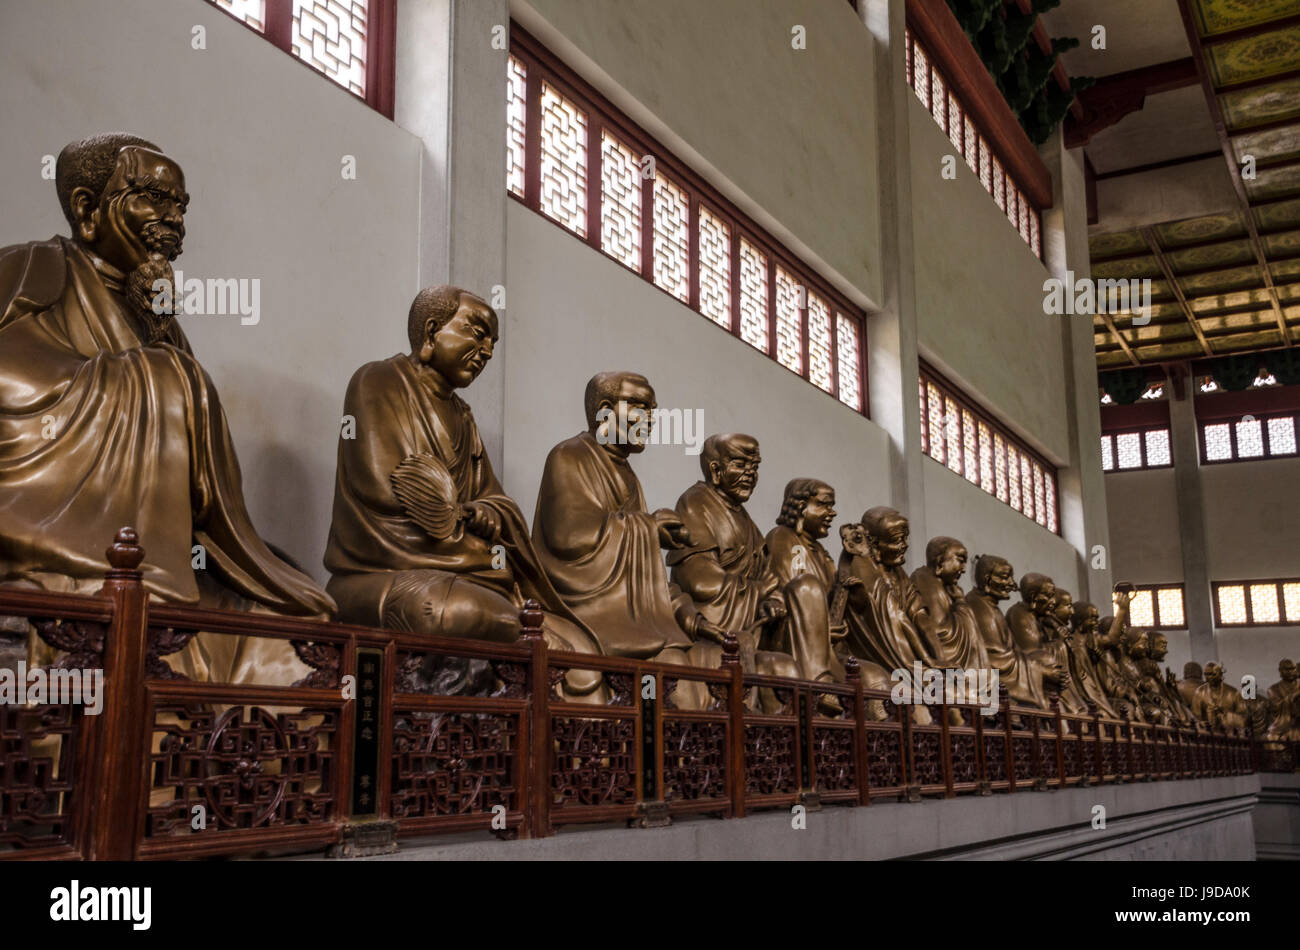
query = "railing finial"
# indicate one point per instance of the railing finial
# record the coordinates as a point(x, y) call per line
point(730, 650)
point(530, 620)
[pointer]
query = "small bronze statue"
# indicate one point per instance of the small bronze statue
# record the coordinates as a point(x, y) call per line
point(1031, 626)
point(1283, 702)
point(725, 569)
point(957, 643)
point(1193, 679)
point(423, 536)
point(1076, 624)
point(1158, 649)
point(594, 537)
point(1021, 674)
point(1217, 703)
point(109, 420)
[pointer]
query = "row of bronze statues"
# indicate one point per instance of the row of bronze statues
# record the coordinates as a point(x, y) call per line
point(107, 419)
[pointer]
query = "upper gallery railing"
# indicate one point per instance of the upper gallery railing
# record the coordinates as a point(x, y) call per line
point(367, 747)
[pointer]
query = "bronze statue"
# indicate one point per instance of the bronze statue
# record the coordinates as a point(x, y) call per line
point(1217, 703)
point(1077, 625)
point(806, 573)
point(1021, 674)
point(725, 568)
point(107, 419)
point(1193, 679)
point(957, 642)
point(887, 620)
point(423, 536)
point(594, 537)
point(1283, 701)
point(1119, 675)
point(1158, 648)
point(1030, 623)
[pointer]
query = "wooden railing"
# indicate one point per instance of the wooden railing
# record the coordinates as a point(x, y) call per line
point(367, 748)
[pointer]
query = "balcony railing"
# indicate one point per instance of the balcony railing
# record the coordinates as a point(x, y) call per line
point(364, 750)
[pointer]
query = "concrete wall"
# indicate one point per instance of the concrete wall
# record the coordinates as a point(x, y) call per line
point(720, 85)
point(574, 312)
point(261, 138)
point(979, 297)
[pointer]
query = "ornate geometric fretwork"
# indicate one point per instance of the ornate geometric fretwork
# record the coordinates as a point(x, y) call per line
point(594, 761)
point(330, 35)
point(37, 760)
point(672, 238)
point(715, 268)
point(564, 162)
point(454, 763)
point(753, 296)
point(516, 125)
point(770, 766)
point(620, 201)
point(695, 760)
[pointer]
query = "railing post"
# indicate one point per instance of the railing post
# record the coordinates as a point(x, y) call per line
point(853, 676)
point(537, 824)
point(945, 747)
point(1095, 715)
point(1004, 699)
point(1060, 744)
point(116, 794)
point(736, 711)
point(652, 806)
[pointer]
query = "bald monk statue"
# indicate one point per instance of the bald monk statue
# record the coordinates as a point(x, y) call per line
point(594, 537)
point(107, 419)
point(1217, 703)
point(1023, 676)
point(1157, 650)
point(1283, 700)
point(958, 643)
point(725, 569)
point(1193, 679)
point(423, 537)
point(1151, 695)
point(1030, 623)
point(1084, 619)
point(808, 581)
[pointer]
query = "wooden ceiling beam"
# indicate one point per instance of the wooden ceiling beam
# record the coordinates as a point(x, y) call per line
point(1119, 94)
point(1149, 235)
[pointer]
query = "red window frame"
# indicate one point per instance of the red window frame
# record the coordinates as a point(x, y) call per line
point(542, 65)
point(939, 453)
point(1284, 618)
point(381, 46)
point(1111, 435)
point(1265, 439)
point(1155, 604)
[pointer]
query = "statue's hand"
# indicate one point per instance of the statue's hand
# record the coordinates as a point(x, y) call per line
point(672, 533)
point(771, 609)
point(481, 520)
point(708, 630)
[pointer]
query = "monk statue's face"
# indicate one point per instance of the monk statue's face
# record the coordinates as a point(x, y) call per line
point(1214, 674)
point(624, 423)
point(819, 513)
point(891, 541)
point(1044, 600)
point(1000, 581)
point(1159, 647)
point(1288, 670)
point(1137, 648)
point(459, 349)
point(736, 473)
point(952, 564)
point(1063, 609)
point(141, 214)
point(1088, 620)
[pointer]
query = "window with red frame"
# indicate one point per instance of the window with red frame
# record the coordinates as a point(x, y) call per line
point(577, 160)
point(952, 116)
point(1157, 607)
point(1273, 603)
point(350, 41)
point(1267, 435)
point(1129, 449)
point(959, 434)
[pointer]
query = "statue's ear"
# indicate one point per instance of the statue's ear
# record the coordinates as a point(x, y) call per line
point(83, 205)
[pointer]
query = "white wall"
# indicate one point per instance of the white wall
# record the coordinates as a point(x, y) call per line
point(261, 139)
point(573, 312)
point(979, 297)
point(1144, 535)
point(789, 135)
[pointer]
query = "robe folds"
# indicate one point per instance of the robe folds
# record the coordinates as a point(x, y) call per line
point(97, 432)
point(1019, 673)
point(881, 615)
point(386, 569)
point(807, 582)
point(959, 645)
point(600, 548)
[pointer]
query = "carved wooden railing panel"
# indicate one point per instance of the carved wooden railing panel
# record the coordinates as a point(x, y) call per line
point(425, 735)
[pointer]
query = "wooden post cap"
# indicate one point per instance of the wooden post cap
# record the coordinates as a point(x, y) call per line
point(530, 619)
point(125, 553)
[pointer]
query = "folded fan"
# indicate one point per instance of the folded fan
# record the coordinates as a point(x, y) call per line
point(427, 493)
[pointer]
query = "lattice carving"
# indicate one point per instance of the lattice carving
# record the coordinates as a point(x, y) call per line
point(821, 369)
point(833, 759)
point(516, 124)
point(247, 766)
point(672, 228)
point(847, 349)
point(330, 35)
point(454, 763)
point(715, 268)
point(620, 201)
point(37, 767)
point(770, 762)
point(594, 761)
point(965, 757)
point(995, 756)
point(884, 758)
point(927, 756)
point(695, 760)
point(563, 160)
point(789, 345)
point(753, 296)
point(252, 12)
point(81, 640)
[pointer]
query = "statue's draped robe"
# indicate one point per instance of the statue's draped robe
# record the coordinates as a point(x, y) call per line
point(1226, 698)
point(1034, 639)
point(1083, 672)
point(1020, 674)
point(1283, 698)
point(960, 644)
point(600, 548)
point(387, 570)
point(806, 633)
point(880, 615)
point(139, 439)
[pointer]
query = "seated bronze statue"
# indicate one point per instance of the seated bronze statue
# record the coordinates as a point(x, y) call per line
point(1283, 702)
point(808, 580)
point(423, 537)
point(725, 569)
point(107, 419)
point(1193, 679)
point(1035, 633)
point(1218, 703)
point(596, 541)
point(1167, 685)
point(1025, 677)
point(1085, 653)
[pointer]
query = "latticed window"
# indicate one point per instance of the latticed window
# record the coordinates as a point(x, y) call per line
point(1257, 603)
point(350, 41)
point(1158, 606)
point(1125, 450)
point(1271, 435)
point(657, 217)
point(965, 438)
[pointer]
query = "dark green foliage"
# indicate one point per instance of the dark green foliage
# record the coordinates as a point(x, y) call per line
point(1235, 373)
point(1124, 386)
